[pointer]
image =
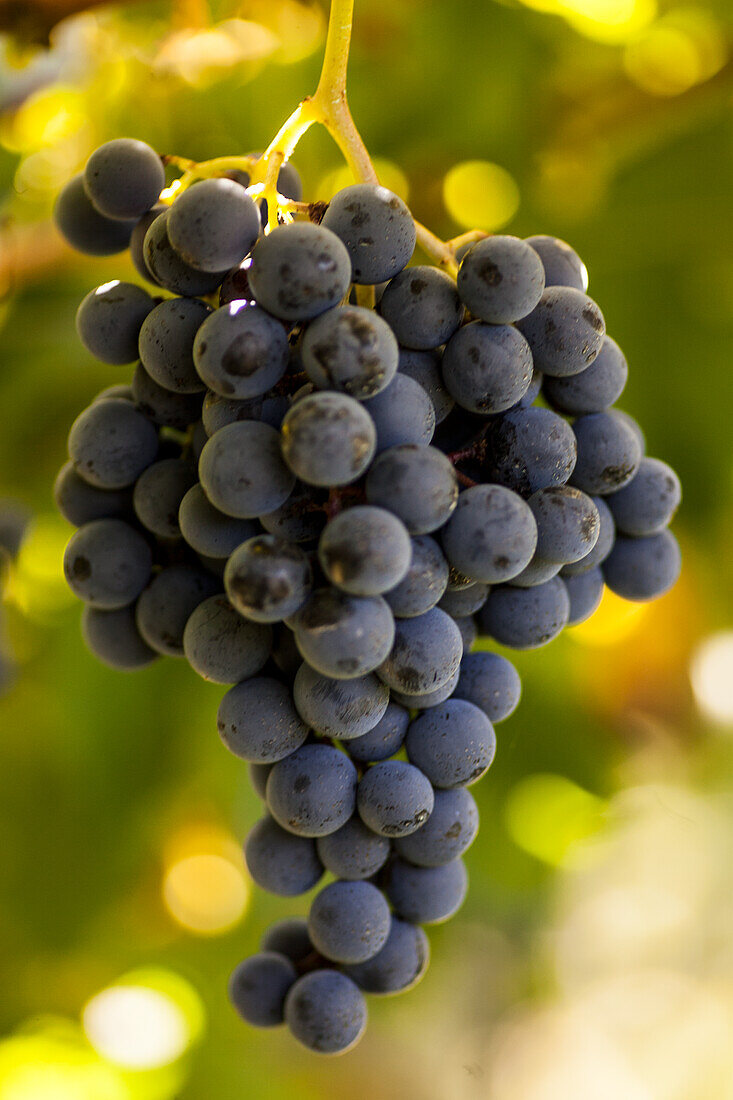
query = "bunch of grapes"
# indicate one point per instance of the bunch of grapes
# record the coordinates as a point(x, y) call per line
point(321, 504)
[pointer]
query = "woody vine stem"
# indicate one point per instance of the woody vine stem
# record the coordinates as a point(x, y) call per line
point(329, 107)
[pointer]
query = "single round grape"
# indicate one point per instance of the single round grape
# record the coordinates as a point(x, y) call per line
point(258, 776)
point(424, 583)
point(402, 413)
point(492, 534)
point(469, 631)
point(79, 502)
point(240, 351)
point(344, 636)
point(123, 178)
point(258, 722)
point(219, 411)
point(158, 494)
point(537, 572)
point(349, 921)
point(108, 320)
point(207, 530)
point(449, 831)
point(162, 406)
point(167, 603)
point(584, 592)
point(110, 444)
point(501, 279)
point(350, 349)
point(137, 242)
point(635, 427)
point(259, 986)
point(608, 453)
point(643, 568)
point(384, 739)
point(339, 708)
point(312, 792)
point(213, 225)
point(422, 307)
point(603, 546)
point(565, 331)
point(120, 389)
point(167, 341)
point(268, 579)
point(417, 483)
point(487, 368)
point(301, 518)
point(568, 523)
point(299, 271)
point(525, 618)
point(328, 439)
point(107, 563)
point(466, 601)
point(394, 798)
point(593, 390)
point(400, 964)
point(289, 937)
point(222, 646)
point(426, 653)
point(648, 503)
point(113, 638)
point(453, 743)
point(167, 267)
point(83, 227)
point(280, 862)
point(242, 471)
point(353, 852)
point(426, 699)
point(326, 1012)
point(424, 367)
point(490, 682)
point(377, 229)
point(365, 551)
point(563, 266)
point(531, 449)
point(426, 895)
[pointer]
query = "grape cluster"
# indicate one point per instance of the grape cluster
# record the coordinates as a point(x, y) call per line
point(322, 504)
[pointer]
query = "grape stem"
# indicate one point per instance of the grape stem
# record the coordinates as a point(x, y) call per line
point(329, 107)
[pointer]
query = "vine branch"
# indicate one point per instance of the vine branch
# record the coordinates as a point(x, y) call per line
point(329, 107)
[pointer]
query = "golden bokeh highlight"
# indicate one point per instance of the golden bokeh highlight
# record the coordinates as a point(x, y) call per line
point(684, 48)
point(479, 194)
point(390, 175)
point(609, 21)
point(205, 887)
point(615, 621)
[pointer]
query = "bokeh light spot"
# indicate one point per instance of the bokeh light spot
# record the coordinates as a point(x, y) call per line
point(684, 48)
point(36, 584)
point(206, 894)
point(546, 815)
point(136, 1028)
point(479, 194)
point(711, 674)
point(390, 176)
point(613, 622)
